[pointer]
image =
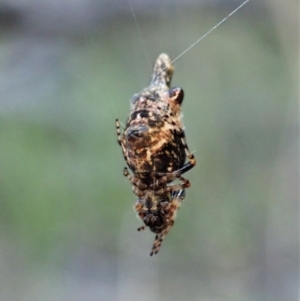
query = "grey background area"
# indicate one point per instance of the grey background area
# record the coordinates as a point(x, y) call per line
point(67, 228)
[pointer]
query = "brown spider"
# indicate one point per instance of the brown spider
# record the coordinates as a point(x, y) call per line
point(154, 147)
point(157, 205)
point(161, 216)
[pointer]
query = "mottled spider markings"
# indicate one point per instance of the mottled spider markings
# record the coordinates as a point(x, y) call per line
point(161, 219)
point(154, 147)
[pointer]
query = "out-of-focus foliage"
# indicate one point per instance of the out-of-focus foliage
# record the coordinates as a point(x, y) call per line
point(67, 228)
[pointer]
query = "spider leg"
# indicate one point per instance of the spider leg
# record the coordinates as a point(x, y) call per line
point(138, 186)
point(118, 132)
point(185, 183)
point(178, 194)
point(192, 161)
point(156, 245)
point(175, 204)
point(120, 140)
point(142, 228)
point(127, 174)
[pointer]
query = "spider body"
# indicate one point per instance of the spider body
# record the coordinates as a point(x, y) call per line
point(159, 213)
point(154, 147)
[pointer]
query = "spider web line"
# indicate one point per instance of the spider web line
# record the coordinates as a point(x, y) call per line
point(212, 29)
point(139, 33)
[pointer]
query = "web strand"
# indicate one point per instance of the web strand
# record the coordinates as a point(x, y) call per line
point(205, 35)
point(139, 33)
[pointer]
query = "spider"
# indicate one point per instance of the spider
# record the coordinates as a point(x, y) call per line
point(154, 148)
point(153, 139)
point(157, 206)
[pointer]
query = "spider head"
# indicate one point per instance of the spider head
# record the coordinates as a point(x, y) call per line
point(152, 209)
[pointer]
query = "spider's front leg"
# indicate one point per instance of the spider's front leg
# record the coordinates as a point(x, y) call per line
point(120, 139)
point(119, 135)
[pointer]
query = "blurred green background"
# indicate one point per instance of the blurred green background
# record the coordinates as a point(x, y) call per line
point(67, 228)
